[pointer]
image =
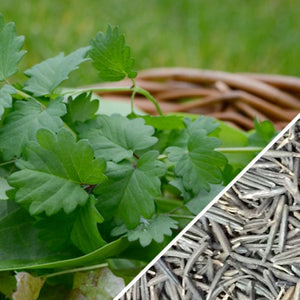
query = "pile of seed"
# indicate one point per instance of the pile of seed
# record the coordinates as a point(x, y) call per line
point(246, 246)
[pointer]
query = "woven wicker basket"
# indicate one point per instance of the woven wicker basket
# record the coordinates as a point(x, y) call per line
point(233, 98)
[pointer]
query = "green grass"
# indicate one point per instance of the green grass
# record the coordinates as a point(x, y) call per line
point(236, 36)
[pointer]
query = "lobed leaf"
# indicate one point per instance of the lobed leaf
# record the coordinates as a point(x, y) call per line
point(81, 109)
point(264, 132)
point(46, 76)
point(85, 234)
point(130, 189)
point(79, 228)
point(116, 137)
point(196, 162)
point(52, 172)
point(10, 49)
point(24, 121)
point(111, 57)
point(149, 229)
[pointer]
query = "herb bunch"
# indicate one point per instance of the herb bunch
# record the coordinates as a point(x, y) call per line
point(78, 186)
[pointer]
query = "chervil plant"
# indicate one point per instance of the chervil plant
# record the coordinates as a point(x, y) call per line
point(78, 187)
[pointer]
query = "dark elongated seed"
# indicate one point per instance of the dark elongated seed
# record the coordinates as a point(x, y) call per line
point(167, 271)
point(274, 227)
point(190, 262)
point(283, 228)
point(216, 280)
point(220, 235)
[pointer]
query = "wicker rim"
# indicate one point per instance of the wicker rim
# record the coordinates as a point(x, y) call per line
point(235, 98)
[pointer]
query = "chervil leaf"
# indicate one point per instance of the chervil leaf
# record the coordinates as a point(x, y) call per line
point(52, 172)
point(115, 137)
point(111, 57)
point(46, 76)
point(62, 231)
point(85, 235)
point(167, 122)
point(208, 124)
point(152, 229)
point(198, 164)
point(22, 123)
point(18, 239)
point(263, 134)
point(54, 231)
point(21, 248)
point(81, 109)
point(130, 189)
point(5, 98)
point(10, 49)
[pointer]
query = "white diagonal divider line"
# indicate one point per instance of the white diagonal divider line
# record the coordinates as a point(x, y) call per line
point(158, 256)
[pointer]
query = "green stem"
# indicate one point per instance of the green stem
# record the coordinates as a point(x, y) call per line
point(180, 216)
point(22, 94)
point(7, 162)
point(132, 96)
point(82, 269)
point(238, 149)
point(134, 89)
point(97, 89)
point(162, 157)
point(149, 97)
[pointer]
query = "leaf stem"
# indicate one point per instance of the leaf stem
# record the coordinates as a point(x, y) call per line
point(82, 269)
point(22, 94)
point(7, 162)
point(149, 97)
point(97, 89)
point(132, 96)
point(134, 89)
point(238, 149)
point(180, 216)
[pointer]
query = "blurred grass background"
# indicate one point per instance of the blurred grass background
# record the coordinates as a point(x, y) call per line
point(233, 35)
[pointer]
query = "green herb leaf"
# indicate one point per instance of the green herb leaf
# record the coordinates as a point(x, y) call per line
point(115, 137)
point(263, 134)
point(21, 248)
point(64, 231)
point(46, 76)
point(197, 164)
point(130, 189)
point(54, 231)
point(19, 240)
point(81, 109)
point(148, 230)
point(53, 170)
point(10, 49)
point(208, 124)
point(85, 235)
point(168, 122)
point(5, 98)
point(111, 57)
point(23, 122)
